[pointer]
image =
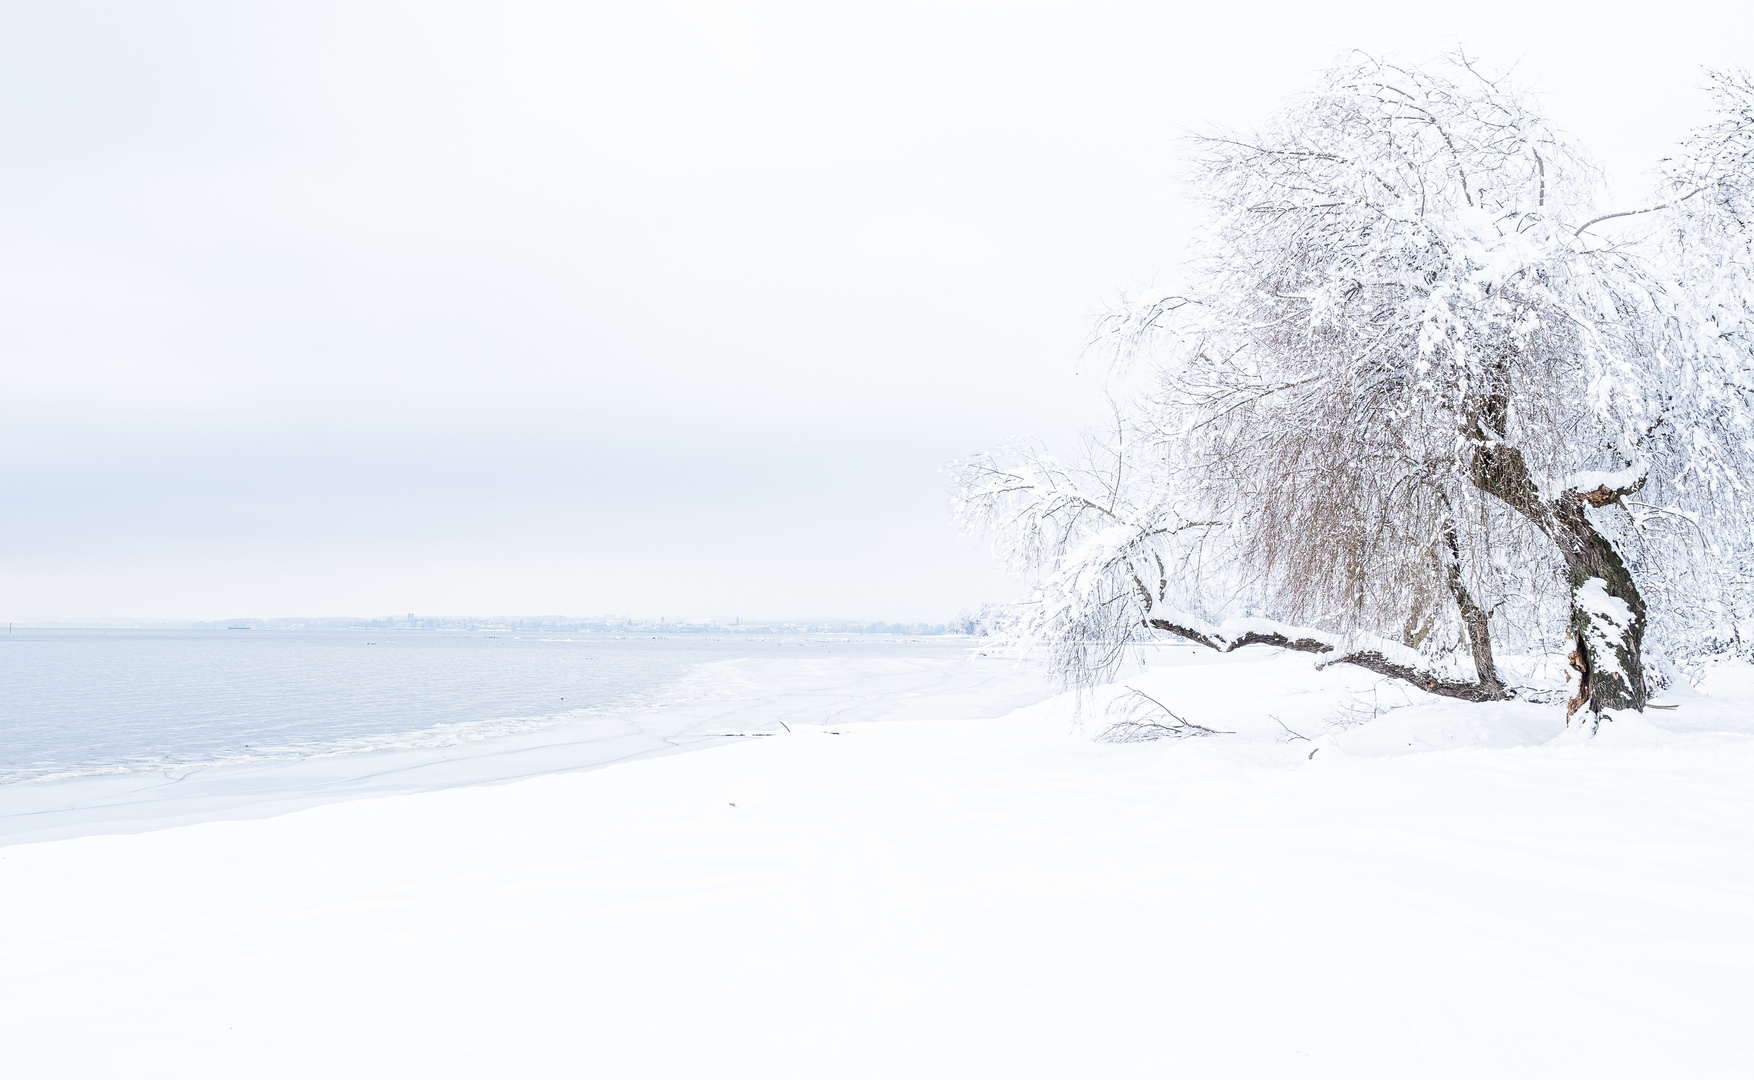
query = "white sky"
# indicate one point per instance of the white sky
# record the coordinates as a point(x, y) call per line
point(652, 308)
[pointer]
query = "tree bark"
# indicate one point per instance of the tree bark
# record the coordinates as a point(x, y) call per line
point(1475, 618)
point(1607, 612)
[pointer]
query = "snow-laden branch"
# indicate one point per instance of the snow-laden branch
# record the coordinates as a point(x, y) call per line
point(1383, 658)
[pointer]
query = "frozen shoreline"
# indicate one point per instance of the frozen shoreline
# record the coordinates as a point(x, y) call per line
point(757, 695)
point(1448, 890)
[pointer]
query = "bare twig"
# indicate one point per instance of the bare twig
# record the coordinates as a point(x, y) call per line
point(1294, 736)
point(1139, 725)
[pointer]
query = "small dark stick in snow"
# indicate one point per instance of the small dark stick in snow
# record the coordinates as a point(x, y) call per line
point(1294, 735)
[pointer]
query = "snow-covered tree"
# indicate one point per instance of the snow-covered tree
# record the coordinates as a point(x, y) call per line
point(1410, 392)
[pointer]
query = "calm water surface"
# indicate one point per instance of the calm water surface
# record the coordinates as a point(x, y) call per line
point(76, 702)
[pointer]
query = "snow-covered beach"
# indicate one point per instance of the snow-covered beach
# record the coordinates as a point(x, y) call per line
point(1446, 890)
point(303, 726)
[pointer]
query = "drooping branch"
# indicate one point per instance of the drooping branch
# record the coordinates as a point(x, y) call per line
point(1217, 640)
point(1253, 632)
point(1428, 681)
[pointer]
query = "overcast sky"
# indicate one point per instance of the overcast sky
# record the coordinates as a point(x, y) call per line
point(664, 309)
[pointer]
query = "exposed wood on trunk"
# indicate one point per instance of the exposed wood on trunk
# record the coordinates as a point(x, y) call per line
point(1579, 662)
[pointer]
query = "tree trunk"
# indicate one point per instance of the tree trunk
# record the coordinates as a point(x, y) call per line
point(1607, 613)
point(1475, 618)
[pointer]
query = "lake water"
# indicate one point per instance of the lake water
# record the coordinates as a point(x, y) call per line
point(102, 701)
point(127, 729)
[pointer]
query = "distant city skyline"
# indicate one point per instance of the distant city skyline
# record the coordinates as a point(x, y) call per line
point(967, 622)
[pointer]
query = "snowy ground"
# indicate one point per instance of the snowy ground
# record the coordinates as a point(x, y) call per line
point(1446, 890)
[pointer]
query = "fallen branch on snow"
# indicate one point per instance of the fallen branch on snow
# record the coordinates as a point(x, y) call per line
point(1141, 723)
